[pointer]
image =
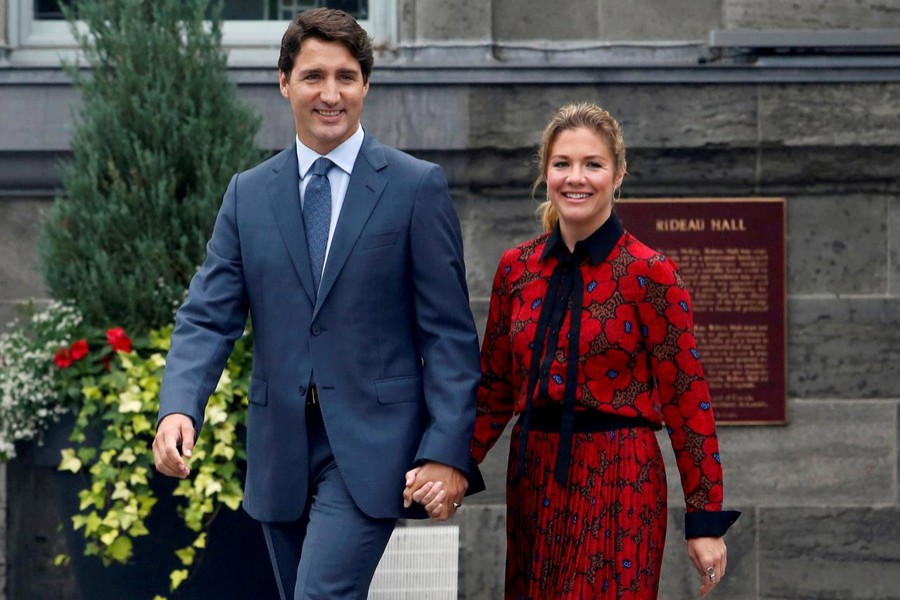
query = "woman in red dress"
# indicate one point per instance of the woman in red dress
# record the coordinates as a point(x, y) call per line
point(589, 340)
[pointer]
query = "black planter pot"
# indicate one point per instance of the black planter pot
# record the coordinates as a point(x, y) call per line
point(235, 565)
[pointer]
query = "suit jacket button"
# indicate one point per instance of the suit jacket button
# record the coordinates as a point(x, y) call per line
point(302, 391)
point(316, 330)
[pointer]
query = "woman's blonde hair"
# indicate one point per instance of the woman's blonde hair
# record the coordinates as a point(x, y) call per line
point(575, 116)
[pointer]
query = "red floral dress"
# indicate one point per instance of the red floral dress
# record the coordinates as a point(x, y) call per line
point(587, 509)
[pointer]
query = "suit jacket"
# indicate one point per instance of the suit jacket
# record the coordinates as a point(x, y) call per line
point(390, 335)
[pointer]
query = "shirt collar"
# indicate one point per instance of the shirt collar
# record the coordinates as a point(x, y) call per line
point(597, 246)
point(344, 156)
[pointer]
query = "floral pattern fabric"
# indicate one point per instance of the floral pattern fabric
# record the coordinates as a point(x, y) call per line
point(637, 358)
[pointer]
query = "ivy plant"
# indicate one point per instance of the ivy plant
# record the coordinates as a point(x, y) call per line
point(113, 437)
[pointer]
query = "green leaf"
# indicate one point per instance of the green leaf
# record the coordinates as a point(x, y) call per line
point(177, 577)
point(129, 403)
point(61, 560)
point(120, 550)
point(186, 555)
point(69, 461)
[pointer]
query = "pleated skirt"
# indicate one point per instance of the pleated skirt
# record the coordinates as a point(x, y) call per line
point(600, 536)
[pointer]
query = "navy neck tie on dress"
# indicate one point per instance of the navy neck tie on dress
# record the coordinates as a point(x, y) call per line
point(317, 215)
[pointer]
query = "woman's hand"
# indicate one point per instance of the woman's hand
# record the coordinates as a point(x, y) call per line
point(709, 557)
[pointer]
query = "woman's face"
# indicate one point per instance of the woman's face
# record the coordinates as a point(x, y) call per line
point(581, 177)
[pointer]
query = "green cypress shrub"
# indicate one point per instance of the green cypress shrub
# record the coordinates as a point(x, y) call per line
point(159, 134)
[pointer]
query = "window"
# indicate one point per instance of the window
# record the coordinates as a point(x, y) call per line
point(237, 10)
point(252, 29)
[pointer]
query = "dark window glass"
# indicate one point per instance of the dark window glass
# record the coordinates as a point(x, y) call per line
point(49, 9)
point(239, 10)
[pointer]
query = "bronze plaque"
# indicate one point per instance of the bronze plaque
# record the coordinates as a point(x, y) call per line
point(731, 255)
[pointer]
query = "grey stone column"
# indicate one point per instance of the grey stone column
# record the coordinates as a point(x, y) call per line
point(4, 36)
point(3, 51)
point(442, 29)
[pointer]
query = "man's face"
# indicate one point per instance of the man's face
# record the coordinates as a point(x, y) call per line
point(326, 92)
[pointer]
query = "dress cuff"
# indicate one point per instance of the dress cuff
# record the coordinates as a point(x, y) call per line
point(708, 524)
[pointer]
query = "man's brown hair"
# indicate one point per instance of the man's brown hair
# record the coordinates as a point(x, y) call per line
point(329, 25)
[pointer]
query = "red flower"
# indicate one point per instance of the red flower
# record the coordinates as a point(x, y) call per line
point(532, 301)
point(601, 286)
point(118, 340)
point(701, 421)
point(653, 327)
point(633, 284)
point(608, 373)
point(624, 330)
point(639, 250)
point(665, 372)
point(78, 350)
point(62, 358)
point(688, 357)
point(679, 311)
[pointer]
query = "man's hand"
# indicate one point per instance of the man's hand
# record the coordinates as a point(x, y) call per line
point(438, 487)
point(173, 430)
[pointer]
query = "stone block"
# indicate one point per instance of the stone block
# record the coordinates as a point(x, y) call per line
point(427, 117)
point(847, 114)
point(494, 468)
point(829, 553)
point(490, 226)
point(836, 244)
point(414, 117)
point(482, 551)
point(33, 173)
point(894, 246)
point(406, 20)
point(451, 20)
point(651, 116)
point(829, 453)
point(650, 20)
point(828, 169)
point(679, 578)
point(277, 130)
point(501, 171)
point(37, 118)
point(843, 347)
point(707, 171)
point(537, 19)
point(480, 308)
point(20, 221)
point(810, 14)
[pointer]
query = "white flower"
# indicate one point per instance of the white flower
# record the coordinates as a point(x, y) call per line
point(30, 396)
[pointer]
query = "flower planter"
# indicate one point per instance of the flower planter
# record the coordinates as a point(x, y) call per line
point(41, 502)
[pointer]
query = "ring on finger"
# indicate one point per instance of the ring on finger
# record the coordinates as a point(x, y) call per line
point(711, 573)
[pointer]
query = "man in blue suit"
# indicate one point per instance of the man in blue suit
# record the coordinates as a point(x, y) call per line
point(348, 256)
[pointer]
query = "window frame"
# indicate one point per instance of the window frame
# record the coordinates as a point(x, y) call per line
point(250, 43)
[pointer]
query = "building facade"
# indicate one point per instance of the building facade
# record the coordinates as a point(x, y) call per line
point(717, 98)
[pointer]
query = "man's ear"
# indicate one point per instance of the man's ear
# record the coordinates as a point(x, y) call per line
point(283, 83)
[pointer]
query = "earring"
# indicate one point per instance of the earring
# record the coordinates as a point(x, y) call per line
point(617, 193)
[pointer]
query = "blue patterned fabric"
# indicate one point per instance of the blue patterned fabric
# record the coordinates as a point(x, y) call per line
point(317, 215)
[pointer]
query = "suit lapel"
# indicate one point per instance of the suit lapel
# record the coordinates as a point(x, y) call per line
point(363, 192)
point(284, 200)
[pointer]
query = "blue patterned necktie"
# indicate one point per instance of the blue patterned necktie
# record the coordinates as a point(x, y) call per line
point(317, 215)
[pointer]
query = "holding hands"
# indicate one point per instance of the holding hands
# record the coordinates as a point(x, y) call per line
point(439, 488)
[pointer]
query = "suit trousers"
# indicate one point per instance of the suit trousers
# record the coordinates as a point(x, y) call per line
point(332, 551)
